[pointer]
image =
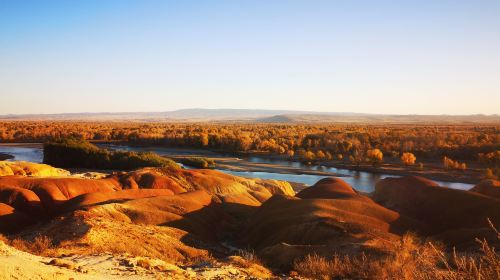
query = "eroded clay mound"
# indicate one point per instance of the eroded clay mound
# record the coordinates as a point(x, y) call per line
point(38, 198)
point(331, 188)
point(21, 199)
point(160, 227)
point(318, 221)
point(440, 209)
point(96, 198)
point(24, 168)
point(43, 197)
point(51, 192)
point(219, 184)
point(488, 187)
point(149, 178)
point(230, 188)
point(191, 211)
point(287, 228)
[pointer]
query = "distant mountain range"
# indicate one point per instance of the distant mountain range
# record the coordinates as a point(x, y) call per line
point(259, 116)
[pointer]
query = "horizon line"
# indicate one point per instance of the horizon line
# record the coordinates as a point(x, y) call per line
point(291, 111)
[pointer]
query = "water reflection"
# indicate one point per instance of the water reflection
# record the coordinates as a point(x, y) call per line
point(360, 180)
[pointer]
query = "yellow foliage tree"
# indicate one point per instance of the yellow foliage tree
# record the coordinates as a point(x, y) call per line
point(408, 158)
point(204, 139)
point(375, 156)
point(320, 155)
point(309, 156)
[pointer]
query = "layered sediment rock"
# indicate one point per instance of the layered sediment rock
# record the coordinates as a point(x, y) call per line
point(43, 197)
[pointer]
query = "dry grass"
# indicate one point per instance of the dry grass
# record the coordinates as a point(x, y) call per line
point(411, 260)
point(250, 257)
point(39, 246)
point(248, 260)
point(485, 265)
point(170, 251)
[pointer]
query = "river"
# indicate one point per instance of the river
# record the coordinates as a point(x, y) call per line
point(360, 180)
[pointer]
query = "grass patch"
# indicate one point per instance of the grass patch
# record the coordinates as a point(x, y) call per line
point(199, 162)
point(75, 153)
point(250, 257)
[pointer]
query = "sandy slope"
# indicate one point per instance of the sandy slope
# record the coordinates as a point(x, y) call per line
point(15, 264)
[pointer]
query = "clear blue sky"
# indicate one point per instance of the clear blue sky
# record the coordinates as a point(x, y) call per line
point(423, 57)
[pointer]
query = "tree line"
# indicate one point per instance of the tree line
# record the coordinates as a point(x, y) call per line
point(375, 143)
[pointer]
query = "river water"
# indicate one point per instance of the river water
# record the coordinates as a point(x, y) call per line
point(360, 180)
point(33, 153)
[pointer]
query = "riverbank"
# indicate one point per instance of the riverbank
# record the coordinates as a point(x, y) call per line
point(241, 165)
point(243, 162)
point(433, 173)
point(430, 170)
point(260, 165)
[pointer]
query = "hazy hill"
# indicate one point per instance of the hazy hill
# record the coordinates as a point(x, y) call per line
point(177, 115)
point(257, 115)
point(375, 118)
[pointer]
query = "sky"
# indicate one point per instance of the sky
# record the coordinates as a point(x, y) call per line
point(388, 57)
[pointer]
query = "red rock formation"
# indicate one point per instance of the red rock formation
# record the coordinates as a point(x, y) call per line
point(149, 179)
point(331, 188)
point(21, 199)
point(97, 198)
point(52, 192)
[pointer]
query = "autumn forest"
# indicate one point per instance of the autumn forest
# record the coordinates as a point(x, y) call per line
point(453, 146)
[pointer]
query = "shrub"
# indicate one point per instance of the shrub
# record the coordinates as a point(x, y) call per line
point(38, 246)
point(250, 256)
point(75, 153)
